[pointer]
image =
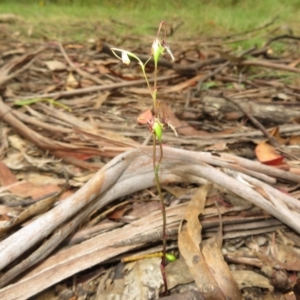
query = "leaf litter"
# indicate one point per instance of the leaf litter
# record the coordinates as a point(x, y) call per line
point(71, 109)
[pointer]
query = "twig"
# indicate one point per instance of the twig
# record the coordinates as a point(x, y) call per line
point(77, 69)
point(268, 24)
point(280, 37)
point(254, 121)
point(120, 23)
point(267, 64)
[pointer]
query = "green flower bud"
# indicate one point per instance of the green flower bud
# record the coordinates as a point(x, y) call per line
point(170, 257)
point(157, 129)
point(157, 50)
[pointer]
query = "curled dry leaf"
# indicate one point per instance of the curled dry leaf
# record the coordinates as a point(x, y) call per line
point(145, 116)
point(211, 250)
point(205, 261)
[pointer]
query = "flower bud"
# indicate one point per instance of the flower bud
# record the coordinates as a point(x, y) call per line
point(157, 49)
point(125, 58)
point(157, 129)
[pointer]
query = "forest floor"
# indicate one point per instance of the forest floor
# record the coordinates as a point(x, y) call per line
point(76, 164)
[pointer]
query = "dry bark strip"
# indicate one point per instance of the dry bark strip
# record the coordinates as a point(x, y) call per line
point(125, 174)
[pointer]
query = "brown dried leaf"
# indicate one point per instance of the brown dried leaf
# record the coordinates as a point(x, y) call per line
point(55, 65)
point(27, 189)
point(195, 208)
point(206, 262)
point(33, 210)
point(198, 267)
point(267, 154)
point(189, 245)
point(145, 116)
point(211, 250)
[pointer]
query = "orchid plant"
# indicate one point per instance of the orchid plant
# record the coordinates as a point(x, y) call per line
point(157, 123)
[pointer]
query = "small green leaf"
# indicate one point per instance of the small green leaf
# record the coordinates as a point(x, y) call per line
point(208, 85)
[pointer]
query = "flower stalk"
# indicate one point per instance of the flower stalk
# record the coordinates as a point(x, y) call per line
point(157, 123)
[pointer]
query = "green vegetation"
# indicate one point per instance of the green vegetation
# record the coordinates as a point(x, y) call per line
point(53, 19)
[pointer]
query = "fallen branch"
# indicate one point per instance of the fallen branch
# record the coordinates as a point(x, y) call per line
point(125, 174)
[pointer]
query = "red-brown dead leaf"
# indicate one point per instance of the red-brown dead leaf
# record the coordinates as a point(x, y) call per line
point(145, 116)
point(267, 154)
point(204, 258)
point(26, 189)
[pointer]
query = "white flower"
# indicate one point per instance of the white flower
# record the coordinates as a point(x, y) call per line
point(125, 58)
